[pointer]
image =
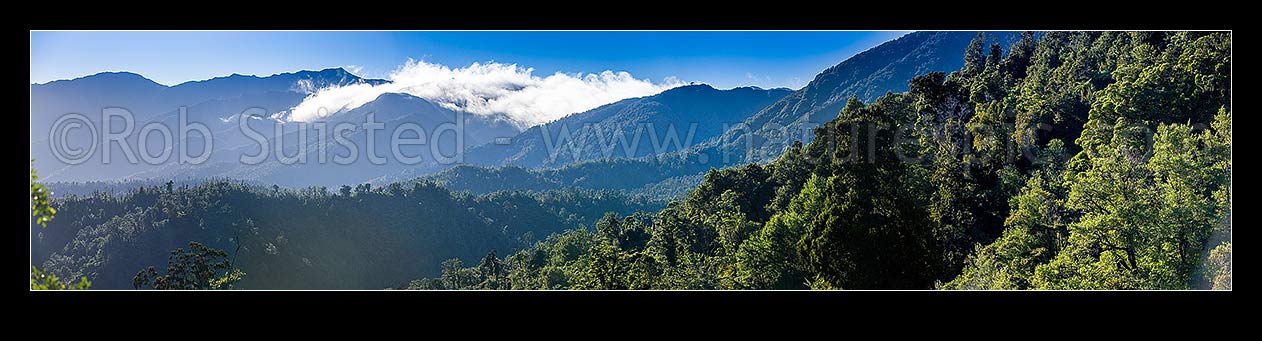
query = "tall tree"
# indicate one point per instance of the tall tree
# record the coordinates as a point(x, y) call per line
point(41, 200)
point(198, 268)
point(868, 235)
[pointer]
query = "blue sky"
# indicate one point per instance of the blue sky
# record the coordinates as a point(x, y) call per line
point(722, 59)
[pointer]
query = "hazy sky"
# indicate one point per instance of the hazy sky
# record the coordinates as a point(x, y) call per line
point(722, 59)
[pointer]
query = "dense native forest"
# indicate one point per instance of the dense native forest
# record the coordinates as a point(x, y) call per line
point(314, 238)
point(1068, 160)
point(1073, 160)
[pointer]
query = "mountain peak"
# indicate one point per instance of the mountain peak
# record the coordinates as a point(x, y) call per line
point(688, 89)
point(394, 97)
point(108, 76)
point(125, 74)
point(339, 70)
point(337, 74)
point(693, 86)
point(327, 72)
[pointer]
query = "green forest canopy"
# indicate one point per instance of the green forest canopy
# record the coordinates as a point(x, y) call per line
point(362, 237)
point(1074, 160)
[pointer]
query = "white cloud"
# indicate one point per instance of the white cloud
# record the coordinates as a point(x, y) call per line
point(354, 69)
point(487, 89)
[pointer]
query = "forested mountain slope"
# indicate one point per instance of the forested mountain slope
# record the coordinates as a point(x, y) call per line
point(866, 76)
point(355, 238)
point(1071, 160)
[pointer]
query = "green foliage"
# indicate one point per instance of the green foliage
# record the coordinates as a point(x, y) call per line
point(376, 237)
point(750, 190)
point(870, 233)
point(1145, 216)
point(198, 268)
point(42, 280)
point(658, 178)
point(41, 200)
point(630, 233)
point(1036, 227)
point(1075, 160)
point(1135, 208)
point(604, 269)
point(1185, 80)
point(769, 259)
point(492, 273)
point(975, 55)
point(1218, 267)
point(43, 212)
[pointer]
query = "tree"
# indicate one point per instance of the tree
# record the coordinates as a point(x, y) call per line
point(492, 272)
point(1218, 267)
point(41, 200)
point(199, 268)
point(1035, 228)
point(1018, 59)
point(1135, 209)
point(870, 234)
point(768, 260)
point(975, 55)
point(1145, 219)
point(604, 270)
point(41, 280)
point(630, 233)
point(750, 190)
point(643, 271)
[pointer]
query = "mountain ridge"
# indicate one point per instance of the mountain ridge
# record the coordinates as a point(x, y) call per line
point(233, 75)
point(701, 107)
point(887, 67)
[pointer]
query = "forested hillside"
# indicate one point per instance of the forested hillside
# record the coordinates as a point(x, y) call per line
point(866, 76)
point(1070, 160)
point(655, 178)
point(759, 125)
point(363, 237)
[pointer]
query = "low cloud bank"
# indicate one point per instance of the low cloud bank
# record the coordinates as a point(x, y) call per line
point(488, 89)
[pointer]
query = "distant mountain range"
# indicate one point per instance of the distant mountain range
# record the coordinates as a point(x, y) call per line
point(146, 98)
point(759, 136)
point(637, 127)
point(219, 103)
point(212, 102)
point(669, 139)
